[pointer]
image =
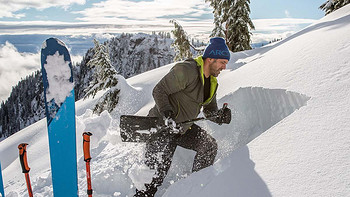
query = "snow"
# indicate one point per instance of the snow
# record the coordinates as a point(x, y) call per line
point(58, 75)
point(289, 135)
point(141, 174)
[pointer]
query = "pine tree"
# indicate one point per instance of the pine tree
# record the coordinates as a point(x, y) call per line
point(218, 30)
point(332, 5)
point(181, 43)
point(231, 20)
point(183, 47)
point(104, 77)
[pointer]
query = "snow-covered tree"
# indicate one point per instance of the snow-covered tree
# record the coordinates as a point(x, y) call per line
point(181, 43)
point(218, 30)
point(24, 106)
point(104, 77)
point(231, 19)
point(183, 47)
point(331, 5)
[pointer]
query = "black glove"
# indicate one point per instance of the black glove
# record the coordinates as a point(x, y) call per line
point(168, 114)
point(223, 116)
point(168, 119)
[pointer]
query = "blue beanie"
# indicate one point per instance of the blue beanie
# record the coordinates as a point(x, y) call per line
point(217, 49)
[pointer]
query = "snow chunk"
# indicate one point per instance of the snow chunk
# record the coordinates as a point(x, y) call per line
point(58, 75)
point(141, 174)
point(117, 194)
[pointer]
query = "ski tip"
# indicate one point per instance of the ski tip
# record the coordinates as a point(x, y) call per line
point(53, 40)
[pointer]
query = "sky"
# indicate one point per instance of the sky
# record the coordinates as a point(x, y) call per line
point(22, 23)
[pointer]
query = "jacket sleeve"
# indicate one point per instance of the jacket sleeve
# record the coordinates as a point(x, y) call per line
point(211, 109)
point(176, 80)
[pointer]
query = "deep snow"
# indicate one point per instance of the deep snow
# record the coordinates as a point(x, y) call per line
point(290, 101)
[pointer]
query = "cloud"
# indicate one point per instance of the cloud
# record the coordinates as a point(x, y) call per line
point(10, 8)
point(269, 29)
point(15, 65)
point(117, 16)
point(281, 24)
point(121, 11)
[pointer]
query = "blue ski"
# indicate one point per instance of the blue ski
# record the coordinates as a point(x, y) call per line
point(58, 83)
point(2, 192)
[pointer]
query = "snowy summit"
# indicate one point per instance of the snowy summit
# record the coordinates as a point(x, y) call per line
point(289, 135)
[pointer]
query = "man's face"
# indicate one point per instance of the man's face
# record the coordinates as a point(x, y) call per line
point(216, 66)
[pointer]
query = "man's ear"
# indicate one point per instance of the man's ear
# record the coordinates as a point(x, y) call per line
point(211, 60)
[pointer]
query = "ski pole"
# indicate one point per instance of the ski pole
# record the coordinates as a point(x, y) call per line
point(202, 118)
point(87, 158)
point(25, 168)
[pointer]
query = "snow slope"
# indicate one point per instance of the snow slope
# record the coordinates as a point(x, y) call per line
point(290, 104)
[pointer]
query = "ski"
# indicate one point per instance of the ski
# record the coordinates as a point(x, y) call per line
point(87, 159)
point(58, 83)
point(25, 168)
point(2, 192)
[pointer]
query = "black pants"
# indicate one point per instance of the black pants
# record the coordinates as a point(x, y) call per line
point(160, 151)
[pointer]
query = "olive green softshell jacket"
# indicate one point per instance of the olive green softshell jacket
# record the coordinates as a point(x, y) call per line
point(182, 91)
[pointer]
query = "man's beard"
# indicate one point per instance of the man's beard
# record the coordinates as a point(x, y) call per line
point(214, 72)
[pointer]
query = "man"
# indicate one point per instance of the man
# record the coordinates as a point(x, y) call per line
point(179, 96)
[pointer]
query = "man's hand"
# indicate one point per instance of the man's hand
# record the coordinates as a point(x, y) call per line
point(168, 118)
point(223, 115)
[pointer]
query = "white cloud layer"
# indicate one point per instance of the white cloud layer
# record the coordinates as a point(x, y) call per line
point(265, 29)
point(14, 66)
point(269, 29)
